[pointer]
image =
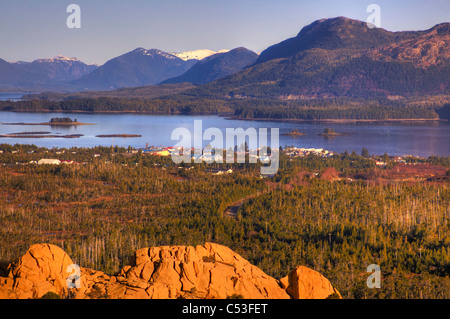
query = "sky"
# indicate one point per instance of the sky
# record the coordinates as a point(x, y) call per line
point(32, 29)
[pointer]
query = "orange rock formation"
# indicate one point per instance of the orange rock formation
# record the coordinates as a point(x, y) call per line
point(211, 271)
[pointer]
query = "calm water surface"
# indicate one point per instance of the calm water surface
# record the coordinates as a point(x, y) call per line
point(395, 139)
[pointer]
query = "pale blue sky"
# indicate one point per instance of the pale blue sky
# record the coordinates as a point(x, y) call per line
point(31, 29)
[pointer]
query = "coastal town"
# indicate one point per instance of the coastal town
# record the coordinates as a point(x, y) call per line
point(52, 156)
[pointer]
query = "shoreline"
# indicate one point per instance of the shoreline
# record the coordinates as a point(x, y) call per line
point(334, 134)
point(344, 121)
point(119, 135)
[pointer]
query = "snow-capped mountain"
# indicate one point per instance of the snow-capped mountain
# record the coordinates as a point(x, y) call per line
point(58, 58)
point(197, 54)
point(154, 52)
point(216, 66)
point(20, 62)
point(62, 68)
point(45, 72)
point(135, 68)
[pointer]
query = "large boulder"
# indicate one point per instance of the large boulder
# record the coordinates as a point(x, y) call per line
point(305, 283)
point(209, 271)
point(42, 269)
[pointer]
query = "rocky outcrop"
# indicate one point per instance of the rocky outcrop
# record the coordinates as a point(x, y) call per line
point(210, 271)
point(432, 48)
point(305, 283)
point(330, 174)
point(43, 268)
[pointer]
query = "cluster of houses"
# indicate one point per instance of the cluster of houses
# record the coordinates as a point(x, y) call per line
point(294, 151)
point(198, 154)
point(396, 159)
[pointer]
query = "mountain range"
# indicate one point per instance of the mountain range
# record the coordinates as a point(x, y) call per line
point(42, 73)
point(341, 57)
point(216, 66)
point(139, 67)
point(335, 63)
point(135, 68)
point(149, 67)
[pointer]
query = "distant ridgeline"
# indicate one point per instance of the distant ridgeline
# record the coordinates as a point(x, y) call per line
point(338, 108)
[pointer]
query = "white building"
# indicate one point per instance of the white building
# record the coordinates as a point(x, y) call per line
point(49, 161)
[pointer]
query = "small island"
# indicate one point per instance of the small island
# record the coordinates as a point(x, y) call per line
point(63, 120)
point(31, 133)
point(294, 133)
point(119, 135)
point(18, 135)
point(56, 121)
point(329, 132)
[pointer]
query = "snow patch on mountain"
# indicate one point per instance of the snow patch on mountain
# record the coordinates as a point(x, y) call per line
point(58, 58)
point(197, 54)
point(153, 52)
point(19, 62)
